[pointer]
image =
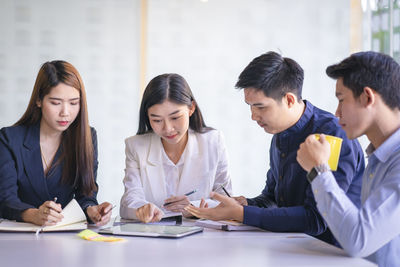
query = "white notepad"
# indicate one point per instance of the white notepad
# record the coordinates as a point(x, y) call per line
point(74, 219)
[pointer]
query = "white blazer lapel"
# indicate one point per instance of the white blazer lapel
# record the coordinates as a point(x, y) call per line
point(155, 170)
point(194, 167)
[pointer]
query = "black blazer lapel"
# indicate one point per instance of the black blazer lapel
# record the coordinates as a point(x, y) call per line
point(32, 161)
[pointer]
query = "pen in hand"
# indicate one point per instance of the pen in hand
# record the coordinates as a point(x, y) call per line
point(110, 209)
point(187, 194)
point(41, 228)
point(226, 192)
point(103, 214)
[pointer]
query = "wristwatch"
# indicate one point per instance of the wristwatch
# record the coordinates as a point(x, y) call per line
point(317, 170)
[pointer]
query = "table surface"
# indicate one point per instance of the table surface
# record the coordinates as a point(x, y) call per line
point(209, 248)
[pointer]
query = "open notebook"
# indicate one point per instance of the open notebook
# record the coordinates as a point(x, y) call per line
point(74, 219)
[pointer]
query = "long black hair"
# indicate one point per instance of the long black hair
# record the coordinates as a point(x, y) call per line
point(78, 151)
point(172, 87)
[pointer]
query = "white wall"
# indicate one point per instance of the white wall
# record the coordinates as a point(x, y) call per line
point(100, 38)
point(209, 43)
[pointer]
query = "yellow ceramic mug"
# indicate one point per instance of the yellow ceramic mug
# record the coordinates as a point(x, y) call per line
point(336, 145)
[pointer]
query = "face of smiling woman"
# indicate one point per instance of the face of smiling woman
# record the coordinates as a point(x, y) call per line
point(170, 121)
point(59, 108)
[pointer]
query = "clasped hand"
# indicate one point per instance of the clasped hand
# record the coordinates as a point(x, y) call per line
point(313, 152)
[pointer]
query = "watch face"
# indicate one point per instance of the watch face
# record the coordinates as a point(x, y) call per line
point(312, 174)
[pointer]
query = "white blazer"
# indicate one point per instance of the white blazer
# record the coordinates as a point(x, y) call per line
point(205, 169)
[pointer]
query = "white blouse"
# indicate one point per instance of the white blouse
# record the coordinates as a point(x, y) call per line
point(172, 172)
point(149, 177)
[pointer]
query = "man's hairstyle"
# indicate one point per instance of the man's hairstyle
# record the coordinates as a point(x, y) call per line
point(370, 69)
point(274, 75)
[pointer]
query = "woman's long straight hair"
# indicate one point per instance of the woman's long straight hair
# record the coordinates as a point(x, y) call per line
point(77, 147)
point(172, 87)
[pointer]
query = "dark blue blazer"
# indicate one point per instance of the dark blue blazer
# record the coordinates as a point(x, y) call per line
point(23, 184)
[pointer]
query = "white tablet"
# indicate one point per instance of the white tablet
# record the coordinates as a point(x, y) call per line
point(151, 230)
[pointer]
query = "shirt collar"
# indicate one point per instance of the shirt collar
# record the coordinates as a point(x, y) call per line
point(301, 123)
point(167, 161)
point(386, 149)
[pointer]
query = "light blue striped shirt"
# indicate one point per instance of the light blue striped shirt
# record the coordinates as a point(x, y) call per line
point(374, 230)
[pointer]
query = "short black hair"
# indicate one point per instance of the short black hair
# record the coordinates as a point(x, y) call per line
point(173, 87)
point(274, 75)
point(370, 69)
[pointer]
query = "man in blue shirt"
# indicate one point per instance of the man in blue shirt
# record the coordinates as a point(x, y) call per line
point(368, 89)
point(272, 88)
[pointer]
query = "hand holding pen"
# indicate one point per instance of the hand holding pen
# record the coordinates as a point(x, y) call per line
point(49, 213)
point(178, 203)
point(241, 200)
point(100, 214)
point(226, 192)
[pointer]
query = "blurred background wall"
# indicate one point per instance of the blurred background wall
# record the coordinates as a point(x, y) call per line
point(119, 45)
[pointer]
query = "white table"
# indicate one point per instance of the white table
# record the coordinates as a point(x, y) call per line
point(210, 248)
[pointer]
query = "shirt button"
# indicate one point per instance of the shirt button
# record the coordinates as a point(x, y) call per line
point(283, 155)
point(280, 177)
point(324, 214)
point(371, 175)
point(315, 191)
point(281, 198)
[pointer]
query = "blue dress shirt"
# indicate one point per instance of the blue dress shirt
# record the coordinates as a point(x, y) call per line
point(372, 231)
point(287, 203)
point(23, 184)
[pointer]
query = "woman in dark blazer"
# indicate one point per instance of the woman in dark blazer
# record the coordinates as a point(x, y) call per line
point(49, 156)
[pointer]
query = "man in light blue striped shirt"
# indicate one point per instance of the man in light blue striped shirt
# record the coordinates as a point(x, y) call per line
point(368, 90)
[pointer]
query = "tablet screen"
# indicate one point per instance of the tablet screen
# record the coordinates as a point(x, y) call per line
point(140, 229)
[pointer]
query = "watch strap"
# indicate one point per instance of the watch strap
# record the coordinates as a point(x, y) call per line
point(317, 170)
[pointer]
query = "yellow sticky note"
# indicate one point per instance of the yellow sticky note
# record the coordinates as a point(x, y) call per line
point(93, 236)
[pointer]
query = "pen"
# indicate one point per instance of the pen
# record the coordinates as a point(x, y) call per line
point(102, 210)
point(111, 209)
point(187, 194)
point(41, 228)
point(191, 192)
point(226, 192)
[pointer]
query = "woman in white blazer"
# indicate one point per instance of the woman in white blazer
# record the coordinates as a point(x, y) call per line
point(172, 154)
